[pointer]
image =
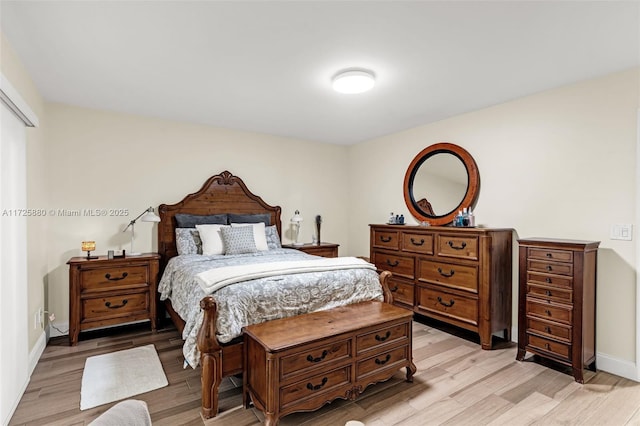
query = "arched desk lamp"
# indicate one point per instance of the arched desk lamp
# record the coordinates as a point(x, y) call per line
point(146, 216)
point(296, 220)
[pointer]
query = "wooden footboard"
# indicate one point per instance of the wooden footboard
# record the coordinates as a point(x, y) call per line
point(218, 361)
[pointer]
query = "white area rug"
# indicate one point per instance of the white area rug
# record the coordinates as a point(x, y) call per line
point(118, 375)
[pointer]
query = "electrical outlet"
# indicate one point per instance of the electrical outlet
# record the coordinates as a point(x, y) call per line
point(621, 231)
point(41, 318)
point(36, 320)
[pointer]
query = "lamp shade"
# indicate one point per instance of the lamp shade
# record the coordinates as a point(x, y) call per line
point(296, 217)
point(150, 216)
point(88, 245)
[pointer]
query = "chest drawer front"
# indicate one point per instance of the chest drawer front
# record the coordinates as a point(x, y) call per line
point(385, 360)
point(102, 279)
point(402, 292)
point(314, 357)
point(316, 385)
point(554, 280)
point(550, 267)
point(549, 328)
point(417, 243)
point(548, 311)
point(550, 254)
point(440, 302)
point(114, 306)
point(386, 239)
point(398, 265)
point(552, 294)
point(455, 276)
point(383, 336)
point(462, 247)
point(559, 349)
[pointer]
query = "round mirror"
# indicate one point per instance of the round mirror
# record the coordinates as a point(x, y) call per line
point(440, 181)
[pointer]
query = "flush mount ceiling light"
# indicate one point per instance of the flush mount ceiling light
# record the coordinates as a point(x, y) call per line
point(353, 81)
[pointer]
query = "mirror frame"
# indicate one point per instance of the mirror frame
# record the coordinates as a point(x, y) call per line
point(473, 182)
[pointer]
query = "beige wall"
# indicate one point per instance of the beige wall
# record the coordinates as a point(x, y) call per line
point(14, 71)
point(557, 164)
point(102, 160)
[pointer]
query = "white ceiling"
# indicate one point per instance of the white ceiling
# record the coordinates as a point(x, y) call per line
point(266, 66)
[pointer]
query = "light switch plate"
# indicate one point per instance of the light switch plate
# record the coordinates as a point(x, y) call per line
point(622, 231)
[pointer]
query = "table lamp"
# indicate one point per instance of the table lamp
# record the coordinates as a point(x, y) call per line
point(89, 246)
point(146, 216)
point(296, 220)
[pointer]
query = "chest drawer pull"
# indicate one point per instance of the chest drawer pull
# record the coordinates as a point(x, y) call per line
point(548, 312)
point(460, 247)
point(547, 292)
point(547, 346)
point(383, 338)
point(394, 289)
point(444, 274)
point(548, 280)
point(416, 243)
point(383, 361)
point(549, 268)
point(549, 255)
point(385, 239)
point(124, 275)
point(318, 359)
point(317, 387)
point(448, 305)
point(393, 264)
point(547, 329)
point(108, 304)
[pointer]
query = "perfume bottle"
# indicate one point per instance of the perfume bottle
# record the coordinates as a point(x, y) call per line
point(392, 219)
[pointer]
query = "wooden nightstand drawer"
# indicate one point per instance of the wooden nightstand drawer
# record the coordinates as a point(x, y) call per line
point(321, 249)
point(95, 309)
point(104, 279)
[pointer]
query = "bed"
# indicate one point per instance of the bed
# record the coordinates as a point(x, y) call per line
point(209, 340)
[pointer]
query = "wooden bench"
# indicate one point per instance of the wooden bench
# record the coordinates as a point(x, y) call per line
point(303, 362)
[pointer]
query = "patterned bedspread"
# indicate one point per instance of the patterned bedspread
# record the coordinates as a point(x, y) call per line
point(259, 300)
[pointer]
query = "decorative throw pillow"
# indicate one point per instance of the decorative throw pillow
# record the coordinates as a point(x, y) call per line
point(191, 220)
point(238, 240)
point(188, 241)
point(259, 234)
point(211, 239)
point(250, 218)
point(273, 239)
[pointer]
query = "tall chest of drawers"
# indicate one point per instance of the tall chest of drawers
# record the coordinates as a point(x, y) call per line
point(557, 301)
point(461, 276)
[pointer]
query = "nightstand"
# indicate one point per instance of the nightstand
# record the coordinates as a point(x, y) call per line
point(322, 249)
point(105, 292)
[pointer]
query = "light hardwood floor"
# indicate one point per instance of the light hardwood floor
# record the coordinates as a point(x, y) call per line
point(457, 383)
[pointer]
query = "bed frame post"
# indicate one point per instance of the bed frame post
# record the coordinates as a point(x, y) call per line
point(210, 358)
point(386, 291)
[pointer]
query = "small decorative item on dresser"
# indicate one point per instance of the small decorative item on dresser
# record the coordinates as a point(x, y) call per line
point(296, 220)
point(89, 246)
point(318, 223)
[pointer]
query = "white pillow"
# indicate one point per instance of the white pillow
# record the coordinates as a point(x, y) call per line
point(211, 239)
point(259, 234)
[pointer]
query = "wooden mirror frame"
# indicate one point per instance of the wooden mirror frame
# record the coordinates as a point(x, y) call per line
point(473, 182)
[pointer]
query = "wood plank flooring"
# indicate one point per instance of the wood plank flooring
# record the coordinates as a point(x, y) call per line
point(457, 383)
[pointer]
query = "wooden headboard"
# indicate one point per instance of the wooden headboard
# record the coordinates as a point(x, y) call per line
point(223, 193)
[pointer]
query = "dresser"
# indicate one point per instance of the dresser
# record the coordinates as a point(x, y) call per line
point(321, 249)
point(461, 276)
point(557, 301)
point(303, 362)
point(105, 292)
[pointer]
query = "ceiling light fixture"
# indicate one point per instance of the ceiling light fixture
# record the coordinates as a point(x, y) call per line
point(353, 81)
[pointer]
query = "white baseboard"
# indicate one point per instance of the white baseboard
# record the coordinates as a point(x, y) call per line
point(36, 352)
point(619, 367)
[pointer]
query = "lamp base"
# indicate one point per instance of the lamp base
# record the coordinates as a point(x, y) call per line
point(89, 257)
point(298, 244)
point(133, 254)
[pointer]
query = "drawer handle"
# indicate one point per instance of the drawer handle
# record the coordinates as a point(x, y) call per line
point(549, 255)
point(316, 387)
point(108, 304)
point(320, 358)
point(548, 280)
point(460, 247)
point(415, 243)
point(547, 292)
point(548, 312)
point(547, 346)
point(383, 338)
point(385, 239)
point(547, 329)
point(124, 275)
point(394, 264)
point(393, 290)
point(448, 305)
point(444, 274)
point(383, 361)
point(549, 268)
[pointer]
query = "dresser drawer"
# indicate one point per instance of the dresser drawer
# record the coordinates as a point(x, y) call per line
point(550, 267)
point(100, 308)
point(547, 254)
point(461, 277)
point(383, 336)
point(314, 357)
point(386, 239)
point(556, 330)
point(389, 359)
point(319, 384)
point(462, 247)
point(549, 311)
point(547, 293)
point(398, 265)
point(417, 243)
point(443, 303)
point(402, 291)
point(555, 280)
point(559, 349)
point(103, 279)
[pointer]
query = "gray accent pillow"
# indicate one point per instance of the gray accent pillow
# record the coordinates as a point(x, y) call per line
point(238, 240)
point(273, 239)
point(191, 220)
point(188, 241)
point(250, 218)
